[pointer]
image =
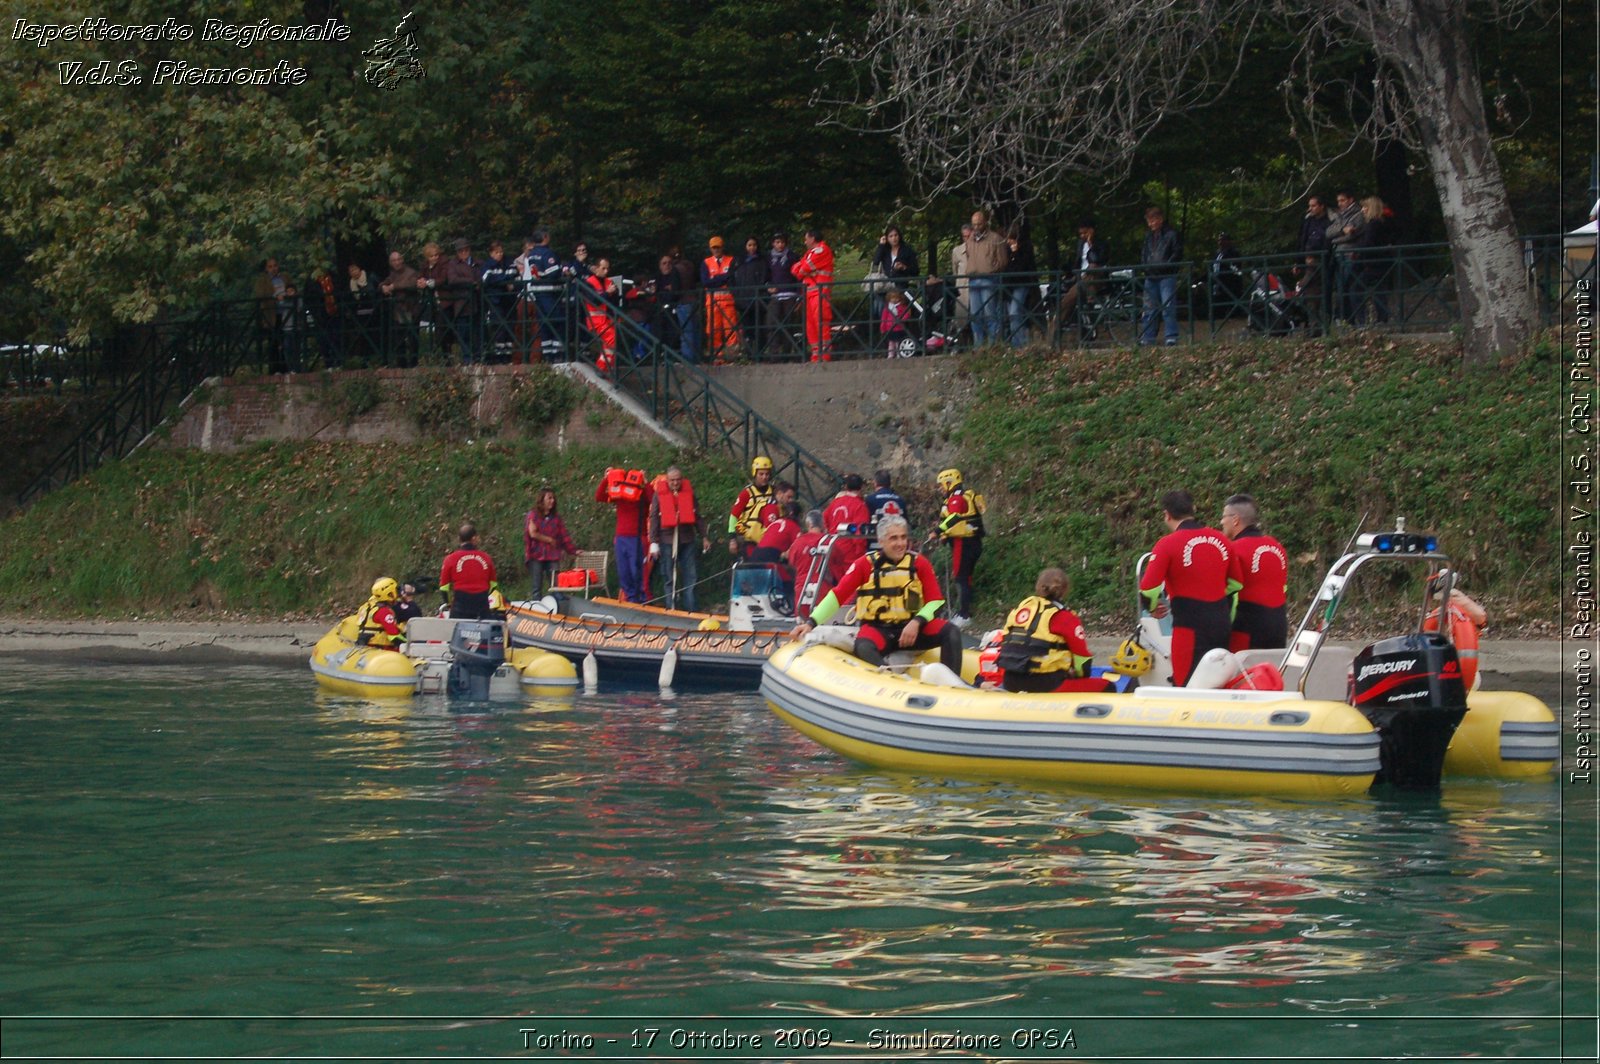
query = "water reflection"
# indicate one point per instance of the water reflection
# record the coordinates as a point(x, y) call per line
point(278, 852)
point(999, 884)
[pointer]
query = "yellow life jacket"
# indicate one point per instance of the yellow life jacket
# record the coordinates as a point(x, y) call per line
point(891, 594)
point(1029, 644)
point(748, 521)
point(369, 632)
point(969, 520)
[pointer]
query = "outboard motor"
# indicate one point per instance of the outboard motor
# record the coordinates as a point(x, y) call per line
point(477, 649)
point(1410, 688)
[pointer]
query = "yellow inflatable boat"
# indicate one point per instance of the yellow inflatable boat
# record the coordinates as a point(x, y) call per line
point(440, 656)
point(1161, 738)
point(1394, 713)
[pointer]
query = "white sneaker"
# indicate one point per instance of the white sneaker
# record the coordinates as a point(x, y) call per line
point(960, 621)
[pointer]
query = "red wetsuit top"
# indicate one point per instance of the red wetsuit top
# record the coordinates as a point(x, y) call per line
point(780, 534)
point(1194, 562)
point(1264, 568)
point(468, 569)
point(632, 515)
point(847, 514)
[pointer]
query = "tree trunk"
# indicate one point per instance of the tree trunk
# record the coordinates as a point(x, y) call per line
point(1426, 42)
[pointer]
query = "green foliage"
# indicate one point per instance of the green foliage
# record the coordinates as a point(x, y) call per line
point(440, 400)
point(1073, 450)
point(541, 397)
point(353, 395)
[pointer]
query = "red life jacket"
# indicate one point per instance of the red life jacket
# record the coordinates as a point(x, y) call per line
point(677, 508)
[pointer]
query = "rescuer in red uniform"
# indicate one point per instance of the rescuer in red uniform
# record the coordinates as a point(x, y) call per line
point(1261, 618)
point(1044, 647)
point(848, 517)
point(1197, 572)
point(468, 576)
point(815, 272)
point(377, 623)
point(896, 595)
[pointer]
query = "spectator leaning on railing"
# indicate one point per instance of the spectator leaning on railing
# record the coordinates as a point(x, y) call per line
point(987, 259)
point(1160, 256)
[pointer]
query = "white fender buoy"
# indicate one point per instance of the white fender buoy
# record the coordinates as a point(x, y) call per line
point(940, 675)
point(591, 672)
point(669, 667)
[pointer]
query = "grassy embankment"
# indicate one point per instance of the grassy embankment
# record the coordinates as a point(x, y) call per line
point(1075, 450)
point(1071, 450)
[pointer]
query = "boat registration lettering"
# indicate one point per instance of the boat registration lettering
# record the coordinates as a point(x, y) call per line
point(1153, 714)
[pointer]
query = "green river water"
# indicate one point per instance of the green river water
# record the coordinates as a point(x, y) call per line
point(209, 863)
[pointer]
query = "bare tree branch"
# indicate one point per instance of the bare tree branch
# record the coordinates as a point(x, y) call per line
point(1003, 98)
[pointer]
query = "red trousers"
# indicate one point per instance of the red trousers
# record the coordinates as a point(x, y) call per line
point(819, 323)
point(722, 324)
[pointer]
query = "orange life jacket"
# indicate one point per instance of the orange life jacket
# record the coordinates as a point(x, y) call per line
point(677, 507)
point(625, 485)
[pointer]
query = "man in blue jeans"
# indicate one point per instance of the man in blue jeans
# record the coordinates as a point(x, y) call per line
point(1161, 255)
point(987, 258)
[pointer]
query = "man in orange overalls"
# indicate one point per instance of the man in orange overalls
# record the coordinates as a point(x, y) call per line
point(815, 271)
point(722, 317)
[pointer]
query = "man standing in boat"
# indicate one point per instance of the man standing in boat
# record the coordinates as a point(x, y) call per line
point(847, 517)
point(961, 525)
point(627, 490)
point(744, 517)
point(1261, 617)
point(1193, 567)
point(896, 595)
point(676, 535)
point(467, 576)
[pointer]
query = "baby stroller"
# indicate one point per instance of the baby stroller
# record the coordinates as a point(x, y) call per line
point(940, 309)
point(1275, 308)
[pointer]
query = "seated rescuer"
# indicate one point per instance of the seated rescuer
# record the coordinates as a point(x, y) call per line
point(376, 621)
point(407, 607)
point(1045, 648)
point(896, 595)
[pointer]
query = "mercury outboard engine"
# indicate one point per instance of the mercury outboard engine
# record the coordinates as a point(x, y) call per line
point(477, 649)
point(1410, 688)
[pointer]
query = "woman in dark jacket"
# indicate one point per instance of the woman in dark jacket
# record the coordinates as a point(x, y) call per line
point(897, 262)
point(1374, 260)
point(895, 258)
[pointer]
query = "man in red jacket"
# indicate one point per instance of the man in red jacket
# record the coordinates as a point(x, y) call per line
point(847, 515)
point(815, 272)
point(1261, 617)
point(633, 514)
point(468, 576)
point(1194, 568)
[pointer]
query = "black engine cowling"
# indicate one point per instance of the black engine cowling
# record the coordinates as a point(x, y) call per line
point(1410, 688)
point(477, 649)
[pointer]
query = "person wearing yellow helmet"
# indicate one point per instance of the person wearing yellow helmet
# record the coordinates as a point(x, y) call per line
point(1044, 647)
point(961, 525)
point(744, 517)
point(376, 623)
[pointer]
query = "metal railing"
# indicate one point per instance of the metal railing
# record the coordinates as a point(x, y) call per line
point(683, 397)
point(147, 369)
